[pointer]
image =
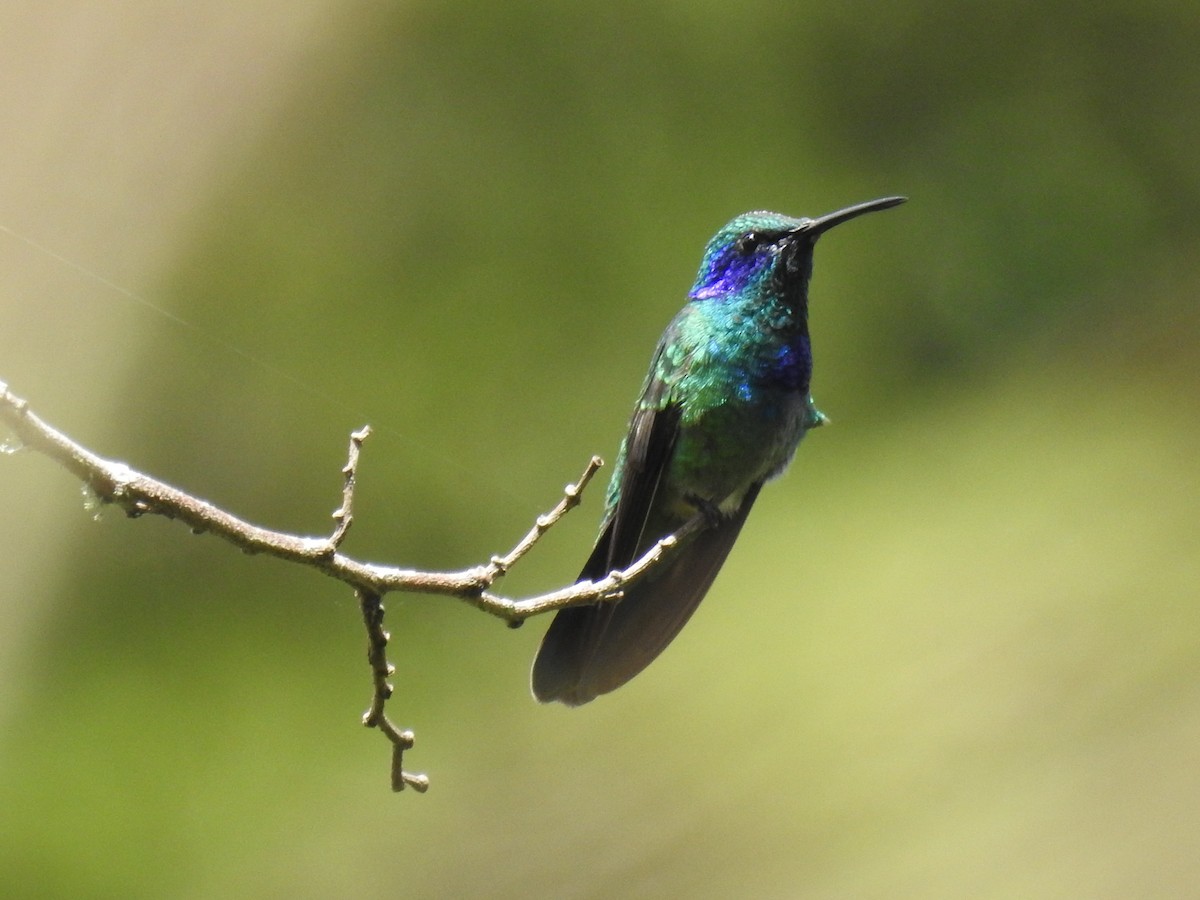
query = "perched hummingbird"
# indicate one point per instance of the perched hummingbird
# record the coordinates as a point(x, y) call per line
point(722, 410)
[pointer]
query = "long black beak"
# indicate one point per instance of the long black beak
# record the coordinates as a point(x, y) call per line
point(814, 228)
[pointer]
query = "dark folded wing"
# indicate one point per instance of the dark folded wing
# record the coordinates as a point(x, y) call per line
point(591, 650)
point(575, 634)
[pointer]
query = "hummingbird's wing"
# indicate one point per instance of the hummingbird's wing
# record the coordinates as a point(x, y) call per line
point(574, 637)
point(591, 650)
point(649, 447)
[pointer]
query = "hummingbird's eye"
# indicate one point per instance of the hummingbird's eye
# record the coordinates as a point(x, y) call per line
point(747, 243)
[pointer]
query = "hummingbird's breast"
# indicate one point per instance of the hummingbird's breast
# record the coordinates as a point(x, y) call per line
point(747, 407)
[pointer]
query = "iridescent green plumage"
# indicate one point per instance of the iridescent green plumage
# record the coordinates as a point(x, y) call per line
point(722, 410)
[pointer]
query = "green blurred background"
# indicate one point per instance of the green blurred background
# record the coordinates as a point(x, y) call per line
point(956, 651)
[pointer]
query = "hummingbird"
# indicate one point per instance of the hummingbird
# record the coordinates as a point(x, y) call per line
point(722, 410)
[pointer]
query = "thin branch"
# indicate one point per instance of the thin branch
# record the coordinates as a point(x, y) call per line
point(381, 670)
point(343, 516)
point(572, 495)
point(140, 494)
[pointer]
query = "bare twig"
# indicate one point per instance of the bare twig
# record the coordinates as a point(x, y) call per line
point(343, 516)
point(381, 670)
point(140, 494)
point(572, 494)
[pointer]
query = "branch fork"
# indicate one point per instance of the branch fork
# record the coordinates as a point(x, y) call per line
point(139, 494)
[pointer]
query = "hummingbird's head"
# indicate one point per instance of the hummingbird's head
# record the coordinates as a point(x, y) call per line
point(768, 252)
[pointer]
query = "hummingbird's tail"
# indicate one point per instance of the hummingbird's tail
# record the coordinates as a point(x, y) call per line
point(591, 650)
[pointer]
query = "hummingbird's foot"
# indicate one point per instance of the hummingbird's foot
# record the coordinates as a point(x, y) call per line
point(707, 508)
